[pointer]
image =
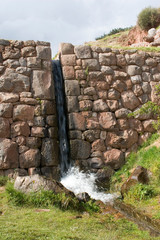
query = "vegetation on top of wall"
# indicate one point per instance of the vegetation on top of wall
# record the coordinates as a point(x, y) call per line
point(114, 31)
point(149, 18)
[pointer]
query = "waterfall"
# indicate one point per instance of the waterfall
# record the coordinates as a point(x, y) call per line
point(61, 115)
point(72, 178)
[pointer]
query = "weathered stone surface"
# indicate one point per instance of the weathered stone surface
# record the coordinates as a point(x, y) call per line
point(21, 140)
point(51, 120)
point(68, 72)
point(123, 124)
point(96, 76)
point(92, 124)
point(138, 59)
point(146, 87)
point(38, 132)
point(42, 85)
point(114, 158)
point(11, 81)
point(23, 112)
point(33, 142)
point(121, 139)
point(113, 105)
point(81, 75)
point(139, 175)
point(107, 59)
point(120, 86)
point(4, 128)
point(107, 70)
point(85, 105)
point(136, 79)
point(107, 120)
point(129, 100)
point(113, 94)
point(83, 51)
point(6, 110)
point(144, 137)
point(101, 85)
point(53, 132)
point(33, 62)
point(91, 64)
point(39, 121)
point(103, 177)
point(43, 52)
point(79, 149)
point(72, 88)
point(47, 107)
point(121, 61)
point(29, 43)
point(11, 63)
point(72, 104)
point(28, 51)
point(133, 70)
point(75, 134)
point(36, 183)
point(20, 128)
point(8, 154)
point(91, 135)
point(95, 163)
point(137, 90)
point(99, 106)
point(66, 48)
point(136, 124)
point(147, 77)
point(98, 145)
point(68, 60)
point(151, 62)
point(24, 70)
point(11, 52)
point(148, 125)
point(49, 152)
point(30, 158)
point(89, 91)
point(122, 113)
point(51, 173)
point(76, 121)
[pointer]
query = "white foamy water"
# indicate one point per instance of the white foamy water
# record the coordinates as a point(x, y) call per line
point(79, 182)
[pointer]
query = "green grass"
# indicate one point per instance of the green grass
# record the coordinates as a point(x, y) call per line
point(142, 196)
point(27, 223)
point(3, 180)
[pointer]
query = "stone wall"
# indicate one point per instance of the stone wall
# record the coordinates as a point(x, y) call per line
point(28, 127)
point(102, 86)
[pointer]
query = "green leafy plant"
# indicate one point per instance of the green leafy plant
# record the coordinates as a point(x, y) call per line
point(149, 18)
point(141, 192)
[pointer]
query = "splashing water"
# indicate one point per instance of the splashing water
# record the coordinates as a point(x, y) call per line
point(79, 182)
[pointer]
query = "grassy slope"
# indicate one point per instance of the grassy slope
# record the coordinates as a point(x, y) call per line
point(119, 41)
point(143, 197)
point(18, 223)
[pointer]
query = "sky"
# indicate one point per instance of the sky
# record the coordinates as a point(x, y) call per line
point(73, 21)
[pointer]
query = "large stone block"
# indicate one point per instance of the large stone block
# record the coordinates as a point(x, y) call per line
point(4, 128)
point(20, 128)
point(30, 158)
point(8, 154)
point(68, 60)
point(68, 72)
point(83, 51)
point(11, 52)
point(114, 158)
point(76, 121)
point(49, 152)
point(6, 110)
point(8, 97)
point(29, 51)
point(72, 104)
point(33, 62)
point(91, 64)
point(122, 139)
point(33, 142)
point(98, 145)
point(91, 135)
point(133, 70)
point(99, 106)
point(138, 59)
point(72, 88)
point(66, 48)
point(42, 85)
point(23, 112)
point(107, 59)
point(43, 52)
point(107, 120)
point(129, 100)
point(79, 149)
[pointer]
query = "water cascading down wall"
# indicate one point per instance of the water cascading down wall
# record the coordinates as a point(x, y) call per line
point(102, 86)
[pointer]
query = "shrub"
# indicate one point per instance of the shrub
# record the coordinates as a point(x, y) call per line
point(149, 18)
point(114, 31)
